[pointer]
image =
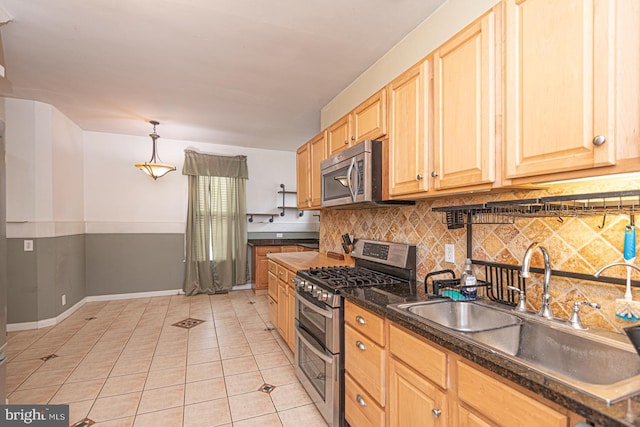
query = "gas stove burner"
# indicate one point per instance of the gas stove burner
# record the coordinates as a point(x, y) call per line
point(351, 277)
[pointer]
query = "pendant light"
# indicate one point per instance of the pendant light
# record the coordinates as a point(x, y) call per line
point(154, 167)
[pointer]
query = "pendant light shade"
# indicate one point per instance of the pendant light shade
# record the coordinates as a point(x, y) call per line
point(154, 167)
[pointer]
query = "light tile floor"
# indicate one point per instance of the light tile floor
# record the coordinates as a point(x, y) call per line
point(122, 363)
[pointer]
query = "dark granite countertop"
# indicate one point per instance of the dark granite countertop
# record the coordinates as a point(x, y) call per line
point(283, 242)
point(625, 413)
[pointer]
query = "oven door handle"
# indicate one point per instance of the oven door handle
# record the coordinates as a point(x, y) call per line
point(326, 313)
point(353, 191)
point(322, 356)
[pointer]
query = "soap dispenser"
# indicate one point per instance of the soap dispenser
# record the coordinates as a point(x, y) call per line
point(468, 281)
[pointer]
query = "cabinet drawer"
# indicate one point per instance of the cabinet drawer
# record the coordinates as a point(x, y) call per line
point(282, 273)
point(365, 322)
point(265, 250)
point(273, 267)
point(421, 356)
point(360, 408)
point(273, 286)
point(506, 405)
point(290, 248)
point(364, 361)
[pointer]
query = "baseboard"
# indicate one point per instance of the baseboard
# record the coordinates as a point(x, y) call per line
point(24, 326)
point(133, 295)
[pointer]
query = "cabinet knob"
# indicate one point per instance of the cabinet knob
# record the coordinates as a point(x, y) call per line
point(353, 138)
point(360, 400)
point(436, 413)
point(434, 174)
point(361, 320)
point(419, 177)
point(360, 345)
point(346, 142)
point(598, 140)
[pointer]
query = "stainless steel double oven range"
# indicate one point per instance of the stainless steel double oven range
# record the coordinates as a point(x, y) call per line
point(319, 313)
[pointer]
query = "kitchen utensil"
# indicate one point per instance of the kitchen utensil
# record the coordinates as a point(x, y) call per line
point(455, 219)
point(627, 308)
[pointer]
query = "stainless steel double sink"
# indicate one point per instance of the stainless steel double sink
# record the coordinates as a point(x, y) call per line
point(600, 364)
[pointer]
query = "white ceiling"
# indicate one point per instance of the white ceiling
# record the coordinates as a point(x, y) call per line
point(239, 72)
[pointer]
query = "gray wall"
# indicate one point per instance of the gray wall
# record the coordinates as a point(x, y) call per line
point(124, 263)
point(37, 280)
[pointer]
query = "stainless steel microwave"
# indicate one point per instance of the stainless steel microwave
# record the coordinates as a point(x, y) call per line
point(353, 177)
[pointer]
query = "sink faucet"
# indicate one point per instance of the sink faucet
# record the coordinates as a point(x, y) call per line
point(545, 309)
point(615, 264)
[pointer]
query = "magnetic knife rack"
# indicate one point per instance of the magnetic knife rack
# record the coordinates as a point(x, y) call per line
point(505, 212)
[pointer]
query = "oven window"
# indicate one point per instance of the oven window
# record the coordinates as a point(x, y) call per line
point(314, 368)
point(313, 321)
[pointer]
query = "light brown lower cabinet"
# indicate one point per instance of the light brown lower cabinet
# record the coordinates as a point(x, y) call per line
point(413, 400)
point(397, 378)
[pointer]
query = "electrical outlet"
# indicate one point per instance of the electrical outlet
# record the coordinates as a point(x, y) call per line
point(64, 299)
point(28, 245)
point(279, 235)
point(449, 254)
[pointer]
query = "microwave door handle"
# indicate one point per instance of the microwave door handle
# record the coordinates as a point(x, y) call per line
point(353, 189)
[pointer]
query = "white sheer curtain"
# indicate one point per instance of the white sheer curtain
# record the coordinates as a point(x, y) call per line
point(216, 235)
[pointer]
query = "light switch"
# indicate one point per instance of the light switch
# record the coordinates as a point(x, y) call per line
point(28, 245)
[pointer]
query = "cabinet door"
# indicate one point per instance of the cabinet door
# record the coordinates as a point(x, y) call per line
point(283, 309)
point(558, 92)
point(464, 72)
point(261, 265)
point(317, 153)
point(303, 168)
point(370, 118)
point(273, 312)
point(467, 418)
point(412, 400)
point(338, 135)
point(273, 287)
point(506, 405)
point(407, 139)
point(291, 318)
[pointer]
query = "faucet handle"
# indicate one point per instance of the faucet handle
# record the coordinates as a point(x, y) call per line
point(574, 319)
point(522, 299)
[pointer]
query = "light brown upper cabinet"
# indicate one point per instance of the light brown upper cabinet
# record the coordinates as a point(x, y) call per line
point(464, 114)
point(560, 103)
point(367, 121)
point(407, 137)
point(308, 158)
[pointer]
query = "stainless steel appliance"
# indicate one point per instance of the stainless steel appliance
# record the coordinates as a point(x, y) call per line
point(319, 313)
point(353, 177)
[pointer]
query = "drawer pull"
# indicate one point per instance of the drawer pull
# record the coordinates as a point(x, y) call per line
point(361, 345)
point(436, 413)
point(360, 400)
point(361, 320)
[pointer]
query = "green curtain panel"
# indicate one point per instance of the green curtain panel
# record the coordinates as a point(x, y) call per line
point(216, 235)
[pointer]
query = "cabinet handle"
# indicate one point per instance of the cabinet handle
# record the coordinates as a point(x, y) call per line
point(598, 140)
point(360, 400)
point(346, 142)
point(353, 138)
point(419, 177)
point(436, 413)
point(361, 320)
point(434, 174)
point(361, 345)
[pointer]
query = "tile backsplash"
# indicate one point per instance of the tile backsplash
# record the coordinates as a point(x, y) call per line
point(580, 244)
